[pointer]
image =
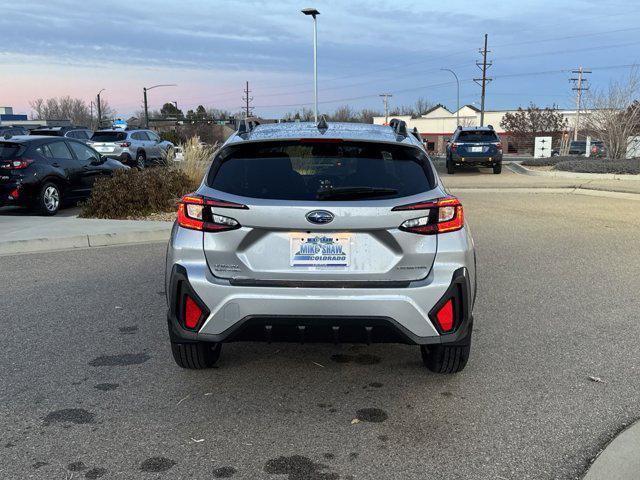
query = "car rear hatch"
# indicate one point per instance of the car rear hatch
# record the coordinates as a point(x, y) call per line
point(109, 143)
point(477, 143)
point(11, 162)
point(310, 213)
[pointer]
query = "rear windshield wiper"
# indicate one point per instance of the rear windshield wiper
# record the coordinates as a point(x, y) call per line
point(354, 192)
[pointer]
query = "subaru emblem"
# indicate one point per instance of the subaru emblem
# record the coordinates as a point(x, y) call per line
point(320, 217)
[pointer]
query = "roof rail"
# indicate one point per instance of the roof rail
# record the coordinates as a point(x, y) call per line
point(247, 125)
point(399, 126)
point(416, 134)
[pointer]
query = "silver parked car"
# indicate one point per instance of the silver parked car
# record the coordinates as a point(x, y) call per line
point(136, 148)
point(332, 232)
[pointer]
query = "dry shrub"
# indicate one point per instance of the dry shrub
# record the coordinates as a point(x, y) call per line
point(133, 193)
point(197, 158)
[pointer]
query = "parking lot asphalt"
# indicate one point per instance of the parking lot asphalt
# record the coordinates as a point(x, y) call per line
point(89, 388)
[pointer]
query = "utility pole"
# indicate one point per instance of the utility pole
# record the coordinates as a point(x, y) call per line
point(91, 113)
point(580, 85)
point(99, 109)
point(484, 80)
point(247, 99)
point(386, 106)
point(146, 108)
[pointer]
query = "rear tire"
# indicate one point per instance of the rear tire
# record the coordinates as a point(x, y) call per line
point(196, 355)
point(141, 161)
point(49, 199)
point(497, 168)
point(451, 168)
point(447, 358)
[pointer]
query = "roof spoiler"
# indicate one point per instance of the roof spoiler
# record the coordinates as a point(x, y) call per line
point(247, 125)
point(399, 126)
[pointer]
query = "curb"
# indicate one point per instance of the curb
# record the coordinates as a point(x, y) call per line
point(517, 168)
point(83, 241)
point(550, 190)
point(619, 460)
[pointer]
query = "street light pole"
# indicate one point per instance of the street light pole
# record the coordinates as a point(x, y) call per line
point(146, 107)
point(314, 13)
point(99, 108)
point(458, 95)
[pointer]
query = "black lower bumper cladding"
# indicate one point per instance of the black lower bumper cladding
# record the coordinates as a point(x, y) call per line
point(322, 329)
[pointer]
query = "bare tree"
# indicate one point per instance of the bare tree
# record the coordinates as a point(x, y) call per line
point(526, 124)
point(613, 114)
point(344, 113)
point(67, 108)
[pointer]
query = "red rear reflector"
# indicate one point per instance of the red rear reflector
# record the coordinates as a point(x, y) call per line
point(445, 316)
point(192, 313)
point(14, 194)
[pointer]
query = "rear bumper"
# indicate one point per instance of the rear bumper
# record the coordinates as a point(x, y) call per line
point(259, 313)
point(474, 159)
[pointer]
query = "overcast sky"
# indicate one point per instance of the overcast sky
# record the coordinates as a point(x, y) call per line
point(210, 48)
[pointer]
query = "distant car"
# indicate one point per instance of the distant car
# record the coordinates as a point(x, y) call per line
point(579, 147)
point(479, 146)
point(13, 130)
point(79, 133)
point(136, 148)
point(43, 172)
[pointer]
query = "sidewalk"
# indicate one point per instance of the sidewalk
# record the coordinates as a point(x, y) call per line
point(620, 460)
point(20, 233)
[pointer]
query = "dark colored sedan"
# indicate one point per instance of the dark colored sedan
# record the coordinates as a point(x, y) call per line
point(43, 172)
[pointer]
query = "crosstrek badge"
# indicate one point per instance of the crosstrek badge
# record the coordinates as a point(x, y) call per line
point(320, 250)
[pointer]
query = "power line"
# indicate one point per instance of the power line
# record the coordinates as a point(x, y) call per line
point(449, 83)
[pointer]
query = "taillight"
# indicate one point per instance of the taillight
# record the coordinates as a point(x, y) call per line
point(125, 144)
point(16, 164)
point(441, 216)
point(196, 213)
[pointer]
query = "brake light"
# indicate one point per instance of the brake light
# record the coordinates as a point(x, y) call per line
point(445, 316)
point(441, 216)
point(16, 164)
point(14, 194)
point(125, 144)
point(321, 140)
point(192, 313)
point(196, 213)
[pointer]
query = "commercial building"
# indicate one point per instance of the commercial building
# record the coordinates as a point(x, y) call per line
point(8, 118)
point(439, 123)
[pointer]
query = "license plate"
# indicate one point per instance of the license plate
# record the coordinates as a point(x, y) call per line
point(476, 149)
point(104, 149)
point(320, 250)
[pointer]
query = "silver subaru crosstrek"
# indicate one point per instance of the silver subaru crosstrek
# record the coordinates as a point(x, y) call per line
point(328, 232)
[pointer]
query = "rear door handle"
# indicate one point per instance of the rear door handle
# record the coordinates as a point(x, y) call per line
point(55, 164)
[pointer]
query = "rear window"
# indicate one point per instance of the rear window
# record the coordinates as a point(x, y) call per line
point(321, 171)
point(477, 136)
point(109, 136)
point(10, 151)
